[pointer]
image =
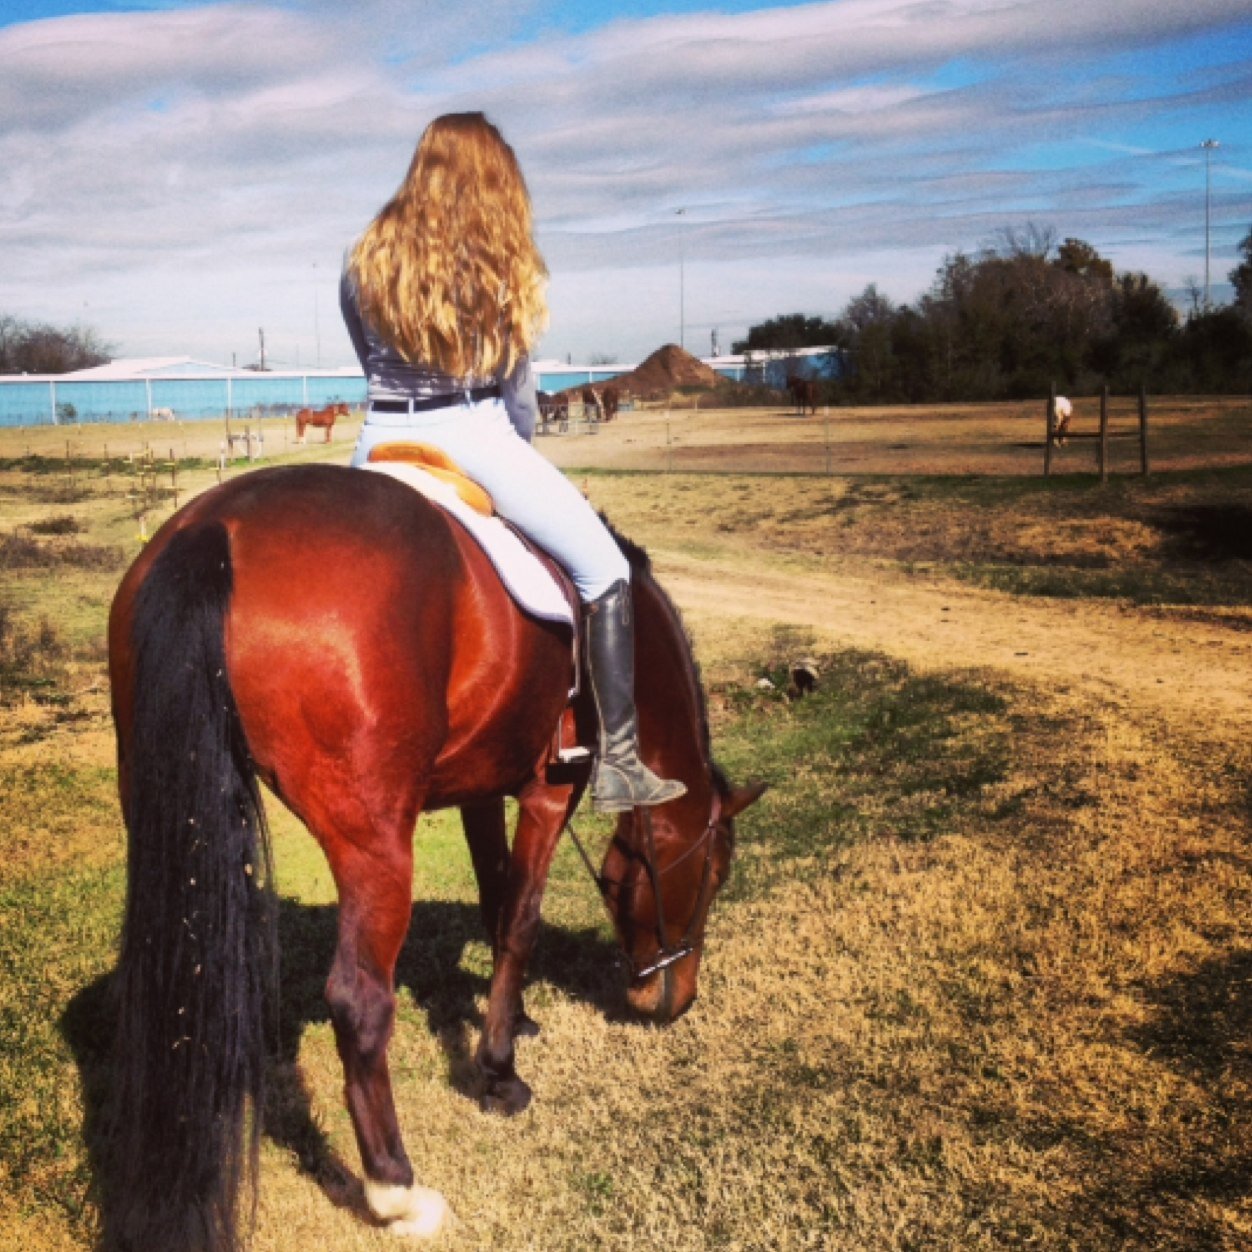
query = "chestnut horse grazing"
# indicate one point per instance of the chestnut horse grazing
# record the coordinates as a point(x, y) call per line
point(334, 634)
point(319, 417)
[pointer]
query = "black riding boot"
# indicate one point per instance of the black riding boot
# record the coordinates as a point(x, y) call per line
point(622, 780)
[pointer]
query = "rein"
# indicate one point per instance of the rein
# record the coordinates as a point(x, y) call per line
point(667, 953)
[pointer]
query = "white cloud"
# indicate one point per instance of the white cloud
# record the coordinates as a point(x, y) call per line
point(187, 172)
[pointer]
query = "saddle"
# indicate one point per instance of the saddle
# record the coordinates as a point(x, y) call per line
point(574, 729)
point(440, 465)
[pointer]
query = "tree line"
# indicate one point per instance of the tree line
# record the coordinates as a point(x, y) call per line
point(37, 348)
point(1021, 314)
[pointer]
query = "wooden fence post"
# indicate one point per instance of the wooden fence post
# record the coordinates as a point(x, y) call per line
point(1051, 420)
point(1104, 433)
point(1144, 467)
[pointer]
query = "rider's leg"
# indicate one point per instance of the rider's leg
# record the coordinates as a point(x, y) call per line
point(622, 780)
point(537, 498)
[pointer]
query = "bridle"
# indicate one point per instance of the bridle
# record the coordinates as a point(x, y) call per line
point(645, 850)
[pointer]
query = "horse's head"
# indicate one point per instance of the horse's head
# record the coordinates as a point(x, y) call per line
point(694, 842)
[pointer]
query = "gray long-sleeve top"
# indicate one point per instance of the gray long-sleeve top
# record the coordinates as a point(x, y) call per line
point(390, 377)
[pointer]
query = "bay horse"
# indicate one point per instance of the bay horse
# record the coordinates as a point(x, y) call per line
point(333, 634)
point(803, 392)
point(553, 408)
point(324, 417)
point(612, 400)
point(592, 404)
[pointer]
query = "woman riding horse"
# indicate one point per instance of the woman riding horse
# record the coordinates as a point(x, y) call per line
point(443, 297)
point(342, 639)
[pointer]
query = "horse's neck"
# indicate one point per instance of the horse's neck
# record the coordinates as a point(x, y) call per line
point(667, 683)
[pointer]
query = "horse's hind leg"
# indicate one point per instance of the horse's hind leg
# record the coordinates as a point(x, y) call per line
point(489, 851)
point(375, 901)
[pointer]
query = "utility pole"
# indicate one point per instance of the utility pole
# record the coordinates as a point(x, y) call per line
point(317, 330)
point(1208, 145)
point(682, 284)
point(261, 332)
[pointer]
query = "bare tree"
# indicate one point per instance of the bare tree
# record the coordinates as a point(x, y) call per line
point(1195, 294)
point(1035, 240)
point(37, 348)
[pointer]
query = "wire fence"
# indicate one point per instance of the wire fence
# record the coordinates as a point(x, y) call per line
point(957, 440)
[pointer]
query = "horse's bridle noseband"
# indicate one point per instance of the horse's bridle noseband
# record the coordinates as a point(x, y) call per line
point(667, 954)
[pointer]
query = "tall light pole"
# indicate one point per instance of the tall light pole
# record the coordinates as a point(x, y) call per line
point(682, 284)
point(1208, 145)
point(317, 329)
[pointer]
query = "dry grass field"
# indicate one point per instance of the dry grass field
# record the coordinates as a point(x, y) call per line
point(981, 978)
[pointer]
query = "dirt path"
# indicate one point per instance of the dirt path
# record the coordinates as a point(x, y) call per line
point(1194, 675)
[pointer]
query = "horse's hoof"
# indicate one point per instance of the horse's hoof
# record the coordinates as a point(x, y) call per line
point(506, 1096)
point(525, 1026)
point(414, 1212)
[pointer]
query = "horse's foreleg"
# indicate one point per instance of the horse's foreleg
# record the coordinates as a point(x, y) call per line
point(375, 900)
point(543, 813)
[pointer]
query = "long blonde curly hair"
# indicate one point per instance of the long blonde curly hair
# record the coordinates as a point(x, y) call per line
point(448, 272)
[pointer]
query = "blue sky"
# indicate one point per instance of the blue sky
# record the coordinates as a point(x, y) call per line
point(178, 175)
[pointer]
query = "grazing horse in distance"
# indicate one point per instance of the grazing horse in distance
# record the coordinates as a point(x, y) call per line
point(803, 392)
point(553, 408)
point(319, 417)
point(591, 403)
point(1064, 415)
point(612, 400)
point(340, 638)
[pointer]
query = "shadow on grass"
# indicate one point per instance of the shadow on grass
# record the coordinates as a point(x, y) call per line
point(580, 963)
point(1174, 1187)
point(1207, 532)
point(1203, 1019)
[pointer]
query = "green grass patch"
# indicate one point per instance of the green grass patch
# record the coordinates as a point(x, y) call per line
point(876, 751)
point(57, 940)
point(54, 812)
point(1194, 586)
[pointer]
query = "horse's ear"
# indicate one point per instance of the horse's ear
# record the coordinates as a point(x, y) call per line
point(740, 797)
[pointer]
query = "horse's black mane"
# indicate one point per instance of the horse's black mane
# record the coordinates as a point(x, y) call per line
point(641, 563)
point(637, 556)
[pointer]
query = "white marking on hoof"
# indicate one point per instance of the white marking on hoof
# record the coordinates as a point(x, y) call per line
point(418, 1212)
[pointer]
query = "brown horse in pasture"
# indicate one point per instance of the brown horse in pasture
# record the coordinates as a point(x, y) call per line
point(592, 404)
point(803, 392)
point(612, 400)
point(324, 418)
point(553, 408)
point(334, 634)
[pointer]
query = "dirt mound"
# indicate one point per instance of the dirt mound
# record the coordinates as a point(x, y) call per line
point(667, 370)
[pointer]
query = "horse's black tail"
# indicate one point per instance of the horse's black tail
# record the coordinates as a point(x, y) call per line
point(196, 951)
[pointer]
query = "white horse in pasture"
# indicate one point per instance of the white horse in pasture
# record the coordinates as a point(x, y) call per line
point(1064, 411)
